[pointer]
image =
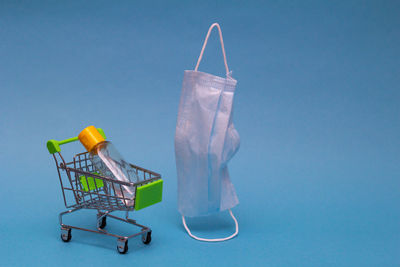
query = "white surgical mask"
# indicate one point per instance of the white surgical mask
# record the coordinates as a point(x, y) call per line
point(205, 140)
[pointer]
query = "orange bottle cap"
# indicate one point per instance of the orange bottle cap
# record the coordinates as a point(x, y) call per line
point(90, 137)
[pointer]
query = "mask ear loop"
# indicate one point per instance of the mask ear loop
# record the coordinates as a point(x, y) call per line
point(215, 239)
point(222, 46)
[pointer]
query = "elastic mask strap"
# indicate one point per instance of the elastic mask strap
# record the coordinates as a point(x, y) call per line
point(222, 46)
point(216, 239)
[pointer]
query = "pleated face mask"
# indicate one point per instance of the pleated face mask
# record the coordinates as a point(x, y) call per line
point(205, 140)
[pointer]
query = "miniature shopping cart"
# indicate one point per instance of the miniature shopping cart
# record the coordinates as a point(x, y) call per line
point(84, 188)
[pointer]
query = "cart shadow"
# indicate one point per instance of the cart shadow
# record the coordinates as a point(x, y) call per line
point(106, 242)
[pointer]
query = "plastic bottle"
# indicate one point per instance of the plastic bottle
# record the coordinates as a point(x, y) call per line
point(109, 162)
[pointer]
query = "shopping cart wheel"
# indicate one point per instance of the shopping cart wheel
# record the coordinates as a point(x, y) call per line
point(146, 238)
point(66, 234)
point(102, 223)
point(122, 246)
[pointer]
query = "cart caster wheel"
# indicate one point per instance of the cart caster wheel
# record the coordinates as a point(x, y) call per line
point(146, 238)
point(102, 223)
point(122, 246)
point(66, 235)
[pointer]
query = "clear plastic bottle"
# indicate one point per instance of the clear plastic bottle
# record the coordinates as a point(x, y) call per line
point(109, 162)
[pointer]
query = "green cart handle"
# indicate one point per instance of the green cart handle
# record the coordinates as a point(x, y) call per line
point(54, 146)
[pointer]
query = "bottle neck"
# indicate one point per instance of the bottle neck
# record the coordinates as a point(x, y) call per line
point(98, 146)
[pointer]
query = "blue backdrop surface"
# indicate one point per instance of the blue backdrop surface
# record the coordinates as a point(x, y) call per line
point(316, 106)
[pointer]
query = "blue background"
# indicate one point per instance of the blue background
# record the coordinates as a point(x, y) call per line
point(317, 108)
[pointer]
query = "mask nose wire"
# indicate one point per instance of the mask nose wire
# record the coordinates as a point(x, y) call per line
point(205, 44)
point(215, 239)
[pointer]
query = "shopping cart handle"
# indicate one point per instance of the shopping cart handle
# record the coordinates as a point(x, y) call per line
point(54, 146)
